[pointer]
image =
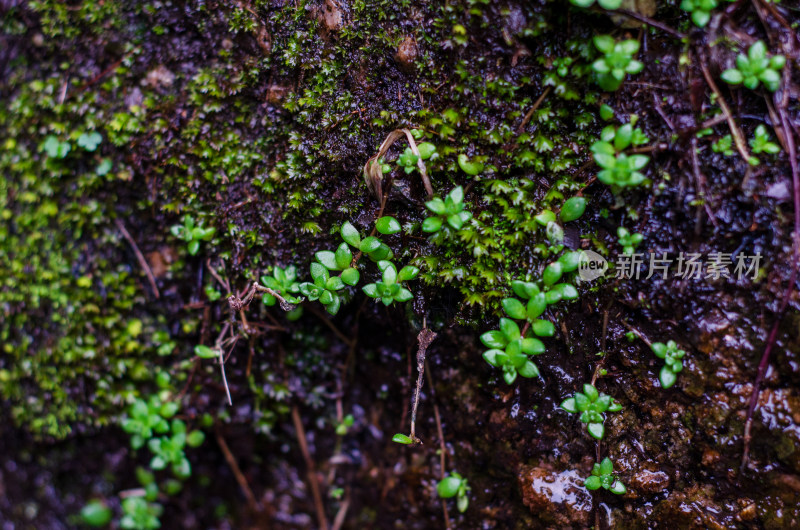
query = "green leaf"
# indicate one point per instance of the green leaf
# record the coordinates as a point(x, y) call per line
point(606, 466)
point(514, 308)
point(448, 487)
point(494, 339)
point(437, 206)
point(195, 439)
point(432, 224)
point(334, 283)
point(327, 258)
point(618, 488)
point(596, 430)
point(532, 346)
point(426, 150)
point(591, 392)
point(96, 513)
point(370, 244)
point(569, 405)
point(572, 209)
point(387, 225)
point(351, 235)
point(660, 349)
point(343, 257)
point(509, 328)
point(536, 306)
point(592, 483)
point(462, 503)
point(545, 217)
point(193, 247)
point(732, 76)
point(470, 168)
point(389, 275)
point(552, 273)
point(606, 112)
point(543, 328)
point(604, 43)
point(407, 273)
point(205, 352)
point(404, 295)
point(667, 377)
point(495, 357)
point(524, 289)
point(350, 276)
point(528, 370)
point(371, 290)
point(566, 290)
point(402, 439)
point(318, 270)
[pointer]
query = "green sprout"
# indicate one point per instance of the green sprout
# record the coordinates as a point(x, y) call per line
point(450, 211)
point(603, 477)
point(192, 234)
point(572, 209)
point(283, 282)
point(138, 514)
point(169, 450)
point(724, 145)
point(673, 361)
point(325, 288)
point(605, 4)
point(469, 167)
point(700, 10)
point(628, 241)
point(755, 68)
point(620, 170)
point(390, 289)
point(371, 246)
point(146, 418)
point(56, 148)
point(592, 405)
point(760, 143)
point(616, 62)
point(96, 513)
point(345, 424)
point(454, 485)
point(509, 350)
point(89, 141)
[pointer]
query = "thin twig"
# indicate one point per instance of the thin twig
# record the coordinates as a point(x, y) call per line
point(338, 521)
point(701, 184)
point(139, 257)
point(737, 134)
point(424, 338)
point(442, 446)
point(535, 106)
point(650, 22)
point(237, 471)
point(322, 521)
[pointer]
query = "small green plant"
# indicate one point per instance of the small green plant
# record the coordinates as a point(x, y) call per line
point(146, 418)
point(572, 209)
point(454, 485)
point(620, 170)
point(139, 514)
point(605, 4)
point(96, 513)
point(450, 211)
point(617, 61)
point(345, 424)
point(724, 145)
point(283, 282)
point(469, 167)
point(700, 10)
point(404, 439)
point(760, 143)
point(408, 160)
point(628, 241)
point(390, 288)
point(192, 233)
point(325, 287)
point(756, 68)
point(169, 450)
point(89, 141)
point(56, 148)
point(509, 350)
point(371, 246)
point(602, 477)
point(673, 361)
point(592, 405)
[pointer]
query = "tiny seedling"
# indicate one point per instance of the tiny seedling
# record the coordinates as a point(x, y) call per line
point(605, 4)
point(620, 170)
point(700, 10)
point(146, 418)
point(756, 68)
point(509, 350)
point(371, 246)
point(673, 361)
point(454, 485)
point(602, 477)
point(617, 61)
point(192, 233)
point(628, 241)
point(96, 513)
point(139, 514)
point(760, 143)
point(469, 167)
point(283, 282)
point(324, 288)
point(56, 148)
point(390, 288)
point(169, 450)
point(724, 145)
point(345, 424)
point(592, 405)
point(450, 211)
point(89, 141)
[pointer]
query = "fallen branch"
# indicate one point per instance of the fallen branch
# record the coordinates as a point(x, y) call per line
point(139, 257)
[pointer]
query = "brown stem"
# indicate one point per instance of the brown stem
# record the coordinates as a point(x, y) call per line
point(237, 471)
point(322, 521)
point(529, 114)
point(650, 22)
point(139, 257)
